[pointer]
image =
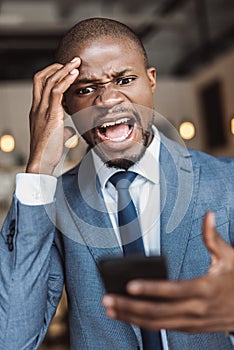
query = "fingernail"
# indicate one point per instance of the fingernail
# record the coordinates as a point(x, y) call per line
point(108, 301)
point(74, 71)
point(75, 59)
point(134, 287)
point(212, 218)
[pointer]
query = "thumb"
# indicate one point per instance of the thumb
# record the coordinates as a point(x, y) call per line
point(218, 248)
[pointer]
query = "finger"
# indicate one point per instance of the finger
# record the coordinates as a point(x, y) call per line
point(68, 70)
point(48, 78)
point(156, 309)
point(143, 314)
point(217, 247)
point(39, 79)
point(63, 71)
point(168, 289)
point(56, 94)
point(170, 316)
point(176, 323)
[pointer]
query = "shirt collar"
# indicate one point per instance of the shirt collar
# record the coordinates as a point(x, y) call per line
point(148, 165)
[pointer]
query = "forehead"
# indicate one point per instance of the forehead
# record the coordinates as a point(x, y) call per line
point(107, 55)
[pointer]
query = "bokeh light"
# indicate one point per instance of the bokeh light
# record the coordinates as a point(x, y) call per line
point(232, 126)
point(187, 130)
point(7, 143)
point(72, 142)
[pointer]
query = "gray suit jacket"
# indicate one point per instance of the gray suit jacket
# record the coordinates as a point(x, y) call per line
point(41, 246)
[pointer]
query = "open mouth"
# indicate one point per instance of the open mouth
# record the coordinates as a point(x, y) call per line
point(116, 131)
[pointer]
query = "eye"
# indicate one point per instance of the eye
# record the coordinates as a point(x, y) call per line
point(85, 91)
point(125, 81)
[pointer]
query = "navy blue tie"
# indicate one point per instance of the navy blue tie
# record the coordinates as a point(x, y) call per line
point(131, 238)
point(129, 227)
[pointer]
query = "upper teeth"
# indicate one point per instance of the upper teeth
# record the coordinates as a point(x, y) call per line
point(119, 121)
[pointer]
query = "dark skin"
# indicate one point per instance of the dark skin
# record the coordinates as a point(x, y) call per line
point(103, 76)
point(106, 79)
point(109, 87)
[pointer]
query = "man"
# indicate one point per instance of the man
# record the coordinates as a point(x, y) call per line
point(103, 81)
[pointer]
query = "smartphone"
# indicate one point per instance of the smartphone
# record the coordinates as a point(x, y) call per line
point(117, 272)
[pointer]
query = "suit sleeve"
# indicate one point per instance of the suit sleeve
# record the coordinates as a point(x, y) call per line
point(31, 276)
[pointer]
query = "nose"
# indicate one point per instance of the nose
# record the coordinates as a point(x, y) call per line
point(109, 96)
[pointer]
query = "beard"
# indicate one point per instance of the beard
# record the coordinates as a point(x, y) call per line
point(126, 160)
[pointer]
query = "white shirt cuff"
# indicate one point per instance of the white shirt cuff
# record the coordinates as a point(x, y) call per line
point(35, 189)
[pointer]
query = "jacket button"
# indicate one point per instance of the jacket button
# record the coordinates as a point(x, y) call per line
point(11, 236)
point(10, 247)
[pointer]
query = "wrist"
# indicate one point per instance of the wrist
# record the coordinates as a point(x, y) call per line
point(38, 168)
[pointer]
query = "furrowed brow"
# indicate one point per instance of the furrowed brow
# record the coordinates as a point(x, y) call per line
point(123, 72)
point(96, 81)
point(85, 81)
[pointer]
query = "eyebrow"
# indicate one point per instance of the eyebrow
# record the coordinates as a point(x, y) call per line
point(93, 81)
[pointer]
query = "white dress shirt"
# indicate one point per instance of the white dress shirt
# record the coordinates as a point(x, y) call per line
point(144, 192)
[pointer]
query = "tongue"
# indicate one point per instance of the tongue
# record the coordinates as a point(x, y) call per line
point(113, 132)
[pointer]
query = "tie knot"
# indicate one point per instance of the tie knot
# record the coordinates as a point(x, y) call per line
point(123, 179)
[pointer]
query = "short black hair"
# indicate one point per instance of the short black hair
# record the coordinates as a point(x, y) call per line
point(91, 29)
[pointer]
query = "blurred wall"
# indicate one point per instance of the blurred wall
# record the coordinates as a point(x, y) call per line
point(179, 100)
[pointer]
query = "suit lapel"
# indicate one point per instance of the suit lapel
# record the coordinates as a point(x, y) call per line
point(178, 192)
point(84, 201)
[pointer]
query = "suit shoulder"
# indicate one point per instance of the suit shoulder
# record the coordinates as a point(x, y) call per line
point(209, 165)
point(214, 168)
point(207, 159)
point(199, 157)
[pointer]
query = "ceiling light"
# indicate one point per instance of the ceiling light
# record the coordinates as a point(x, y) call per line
point(232, 126)
point(187, 130)
point(7, 143)
point(72, 142)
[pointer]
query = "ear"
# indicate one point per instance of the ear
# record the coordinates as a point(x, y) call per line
point(151, 73)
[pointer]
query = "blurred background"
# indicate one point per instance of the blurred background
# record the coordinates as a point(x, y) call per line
point(190, 42)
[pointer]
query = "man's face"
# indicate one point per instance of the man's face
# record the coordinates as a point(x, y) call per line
point(111, 101)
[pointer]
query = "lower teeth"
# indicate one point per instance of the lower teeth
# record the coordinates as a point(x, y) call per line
point(117, 139)
point(120, 138)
